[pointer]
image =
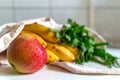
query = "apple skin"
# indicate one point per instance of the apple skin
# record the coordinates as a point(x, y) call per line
point(26, 54)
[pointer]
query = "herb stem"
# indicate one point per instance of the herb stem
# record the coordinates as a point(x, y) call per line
point(77, 36)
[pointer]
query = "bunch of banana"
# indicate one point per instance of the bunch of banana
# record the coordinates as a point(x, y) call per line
point(55, 50)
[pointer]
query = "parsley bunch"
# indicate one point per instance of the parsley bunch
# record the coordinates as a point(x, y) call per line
point(77, 36)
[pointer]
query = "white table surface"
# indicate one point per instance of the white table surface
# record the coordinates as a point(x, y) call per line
point(50, 72)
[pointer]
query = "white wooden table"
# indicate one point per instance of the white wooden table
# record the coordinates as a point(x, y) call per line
point(50, 72)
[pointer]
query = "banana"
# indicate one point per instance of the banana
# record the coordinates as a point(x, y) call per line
point(44, 43)
point(54, 51)
point(73, 50)
point(51, 57)
point(63, 53)
point(42, 31)
point(36, 28)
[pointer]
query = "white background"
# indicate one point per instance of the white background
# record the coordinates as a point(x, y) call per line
point(106, 15)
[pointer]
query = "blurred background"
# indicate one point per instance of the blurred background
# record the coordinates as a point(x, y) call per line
point(101, 15)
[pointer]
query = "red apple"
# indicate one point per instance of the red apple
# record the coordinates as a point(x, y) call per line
point(26, 54)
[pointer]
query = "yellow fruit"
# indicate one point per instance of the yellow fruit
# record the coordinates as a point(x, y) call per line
point(36, 28)
point(36, 36)
point(42, 31)
point(73, 50)
point(51, 57)
point(63, 53)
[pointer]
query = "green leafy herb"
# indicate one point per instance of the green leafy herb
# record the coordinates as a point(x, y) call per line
point(77, 36)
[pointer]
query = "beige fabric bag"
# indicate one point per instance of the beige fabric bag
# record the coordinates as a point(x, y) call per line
point(8, 32)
